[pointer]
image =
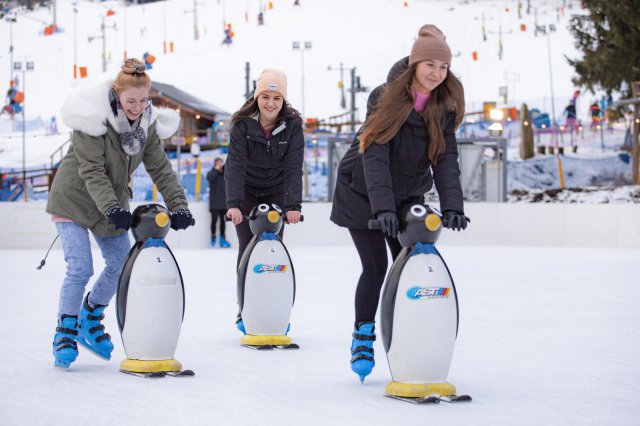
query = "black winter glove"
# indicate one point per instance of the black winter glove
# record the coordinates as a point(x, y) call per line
point(120, 218)
point(389, 224)
point(182, 219)
point(454, 220)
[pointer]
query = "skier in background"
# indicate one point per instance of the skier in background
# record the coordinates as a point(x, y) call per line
point(217, 202)
point(595, 114)
point(570, 113)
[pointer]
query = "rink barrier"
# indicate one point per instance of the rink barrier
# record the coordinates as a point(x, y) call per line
point(27, 226)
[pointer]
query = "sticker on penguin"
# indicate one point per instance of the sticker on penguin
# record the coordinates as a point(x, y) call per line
point(419, 313)
point(266, 283)
point(150, 300)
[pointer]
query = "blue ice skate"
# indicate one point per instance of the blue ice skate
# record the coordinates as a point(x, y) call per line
point(91, 333)
point(362, 361)
point(224, 243)
point(65, 348)
point(240, 324)
point(213, 241)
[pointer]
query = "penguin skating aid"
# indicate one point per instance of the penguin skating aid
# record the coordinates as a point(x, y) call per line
point(419, 313)
point(266, 283)
point(150, 300)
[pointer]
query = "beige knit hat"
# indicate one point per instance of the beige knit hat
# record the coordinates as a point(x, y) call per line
point(430, 44)
point(271, 80)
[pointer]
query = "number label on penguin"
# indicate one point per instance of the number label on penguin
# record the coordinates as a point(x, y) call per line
point(158, 259)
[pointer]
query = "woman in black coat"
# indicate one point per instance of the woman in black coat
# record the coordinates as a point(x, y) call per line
point(217, 202)
point(409, 131)
point(265, 158)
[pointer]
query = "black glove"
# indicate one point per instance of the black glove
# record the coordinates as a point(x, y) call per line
point(389, 224)
point(182, 219)
point(120, 218)
point(454, 220)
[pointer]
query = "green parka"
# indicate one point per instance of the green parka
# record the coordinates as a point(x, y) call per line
point(95, 174)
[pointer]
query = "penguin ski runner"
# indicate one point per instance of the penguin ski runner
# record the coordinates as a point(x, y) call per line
point(150, 300)
point(419, 290)
point(266, 284)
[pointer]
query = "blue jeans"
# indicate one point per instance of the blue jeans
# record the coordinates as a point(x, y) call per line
point(77, 254)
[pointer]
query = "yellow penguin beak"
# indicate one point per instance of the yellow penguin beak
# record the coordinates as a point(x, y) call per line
point(273, 216)
point(162, 219)
point(433, 222)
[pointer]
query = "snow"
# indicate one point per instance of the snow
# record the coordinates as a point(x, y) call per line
point(547, 336)
point(367, 34)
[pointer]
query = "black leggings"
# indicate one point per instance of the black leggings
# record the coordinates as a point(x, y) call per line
point(215, 215)
point(243, 230)
point(373, 256)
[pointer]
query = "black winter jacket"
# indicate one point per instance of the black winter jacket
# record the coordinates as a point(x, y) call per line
point(217, 198)
point(265, 167)
point(388, 176)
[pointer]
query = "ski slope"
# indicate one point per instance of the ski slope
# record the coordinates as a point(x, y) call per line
point(369, 35)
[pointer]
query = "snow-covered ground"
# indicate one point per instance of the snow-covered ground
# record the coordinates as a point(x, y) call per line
point(548, 336)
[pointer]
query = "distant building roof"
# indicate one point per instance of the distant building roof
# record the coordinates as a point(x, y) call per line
point(183, 98)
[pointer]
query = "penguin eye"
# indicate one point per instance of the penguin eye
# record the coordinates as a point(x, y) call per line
point(276, 208)
point(263, 208)
point(418, 210)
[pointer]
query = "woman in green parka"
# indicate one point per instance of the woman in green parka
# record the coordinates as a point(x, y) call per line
point(115, 128)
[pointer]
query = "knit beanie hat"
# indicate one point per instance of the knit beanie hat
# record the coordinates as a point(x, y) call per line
point(430, 44)
point(271, 80)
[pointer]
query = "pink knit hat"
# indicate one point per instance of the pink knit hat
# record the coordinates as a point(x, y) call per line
point(430, 44)
point(271, 80)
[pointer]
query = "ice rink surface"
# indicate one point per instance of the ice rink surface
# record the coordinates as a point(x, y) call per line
point(548, 336)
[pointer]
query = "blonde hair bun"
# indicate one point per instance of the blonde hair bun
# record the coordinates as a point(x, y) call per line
point(133, 66)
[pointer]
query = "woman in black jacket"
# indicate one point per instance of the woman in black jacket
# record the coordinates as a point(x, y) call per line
point(217, 202)
point(264, 164)
point(409, 131)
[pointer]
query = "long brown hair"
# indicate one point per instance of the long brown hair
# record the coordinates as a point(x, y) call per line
point(250, 108)
point(395, 105)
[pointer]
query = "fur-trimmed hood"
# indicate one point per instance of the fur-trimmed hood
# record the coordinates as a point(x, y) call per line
point(88, 111)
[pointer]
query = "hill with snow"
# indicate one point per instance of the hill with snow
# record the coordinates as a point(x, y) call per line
point(367, 34)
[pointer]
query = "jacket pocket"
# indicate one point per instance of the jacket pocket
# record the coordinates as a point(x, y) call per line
point(358, 182)
point(77, 183)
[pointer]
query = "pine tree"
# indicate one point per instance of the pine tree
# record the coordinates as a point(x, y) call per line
point(609, 39)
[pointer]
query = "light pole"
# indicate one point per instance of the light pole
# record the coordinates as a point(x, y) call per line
point(553, 104)
point(343, 99)
point(75, 40)
point(29, 66)
point(126, 3)
point(297, 46)
point(11, 21)
point(103, 36)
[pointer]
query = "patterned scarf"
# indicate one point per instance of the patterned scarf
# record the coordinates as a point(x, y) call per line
point(132, 135)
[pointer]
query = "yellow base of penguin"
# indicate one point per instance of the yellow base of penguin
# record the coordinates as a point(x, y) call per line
point(140, 366)
point(251, 340)
point(412, 390)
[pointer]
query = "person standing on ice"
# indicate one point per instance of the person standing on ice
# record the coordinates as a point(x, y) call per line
point(115, 128)
point(217, 202)
point(266, 152)
point(406, 143)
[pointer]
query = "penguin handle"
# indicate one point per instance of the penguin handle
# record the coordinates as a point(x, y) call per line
point(373, 224)
point(228, 219)
point(301, 218)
